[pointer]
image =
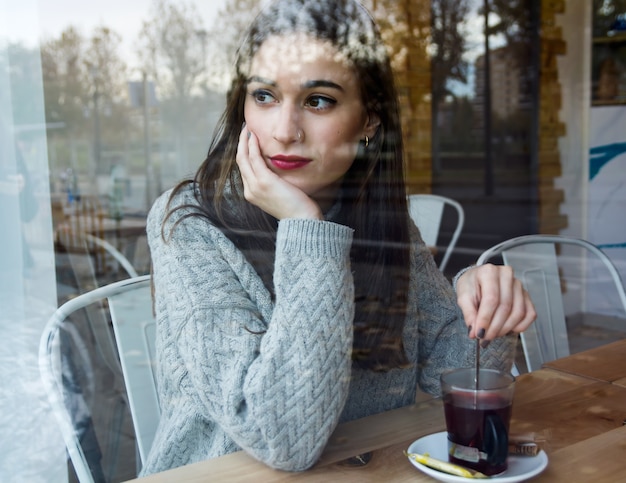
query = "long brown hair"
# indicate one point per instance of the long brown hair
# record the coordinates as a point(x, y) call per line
point(373, 197)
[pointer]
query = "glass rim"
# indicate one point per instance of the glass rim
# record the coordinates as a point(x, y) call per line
point(504, 381)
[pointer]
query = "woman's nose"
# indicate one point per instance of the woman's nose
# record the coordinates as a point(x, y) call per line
point(287, 127)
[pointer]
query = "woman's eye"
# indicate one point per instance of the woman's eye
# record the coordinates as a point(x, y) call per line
point(262, 96)
point(320, 102)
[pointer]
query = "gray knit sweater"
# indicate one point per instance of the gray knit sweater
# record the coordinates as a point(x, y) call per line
point(239, 371)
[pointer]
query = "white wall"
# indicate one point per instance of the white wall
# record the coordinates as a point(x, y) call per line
point(575, 77)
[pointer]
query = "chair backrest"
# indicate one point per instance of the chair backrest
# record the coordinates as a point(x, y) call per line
point(426, 211)
point(135, 334)
point(534, 261)
point(130, 306)
point(85, 215)
point(114, 252)
point(85, 245)
point(86, 280)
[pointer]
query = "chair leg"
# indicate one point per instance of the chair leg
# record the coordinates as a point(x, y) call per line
point(114, 437)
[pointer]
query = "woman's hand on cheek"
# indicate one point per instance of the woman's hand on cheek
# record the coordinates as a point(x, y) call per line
point(265, 189)
point(493, 302)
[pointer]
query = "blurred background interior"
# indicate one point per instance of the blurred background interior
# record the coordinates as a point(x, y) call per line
point(515, 109)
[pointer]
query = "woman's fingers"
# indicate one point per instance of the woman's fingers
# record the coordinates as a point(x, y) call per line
point(257, 179)
point(516, 315)
point(490, 307)
point(494, 302)
point(478, 293)
point(498, 304)
point(267, 190)
point(242, 158)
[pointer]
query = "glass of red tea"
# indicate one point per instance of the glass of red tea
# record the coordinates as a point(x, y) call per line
point(478, 418)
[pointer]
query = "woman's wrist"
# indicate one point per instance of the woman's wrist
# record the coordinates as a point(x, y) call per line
point(461, 272)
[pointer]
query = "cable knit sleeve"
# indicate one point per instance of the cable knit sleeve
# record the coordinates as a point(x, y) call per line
point(443, 341)
point(237, 370)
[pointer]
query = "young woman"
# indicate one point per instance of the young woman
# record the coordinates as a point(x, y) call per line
point(292, 292)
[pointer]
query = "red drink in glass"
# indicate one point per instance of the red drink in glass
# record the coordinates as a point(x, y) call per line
point(477, 421)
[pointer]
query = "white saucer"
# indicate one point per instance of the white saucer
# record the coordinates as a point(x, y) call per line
point(520, 468)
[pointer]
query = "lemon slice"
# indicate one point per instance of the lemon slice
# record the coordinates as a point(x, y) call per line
point(444, 466)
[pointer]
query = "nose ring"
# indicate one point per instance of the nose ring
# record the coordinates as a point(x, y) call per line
point(299, 135)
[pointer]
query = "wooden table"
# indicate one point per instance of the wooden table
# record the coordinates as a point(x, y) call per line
point(125, 228)
point(582, 416)
point(606, 363)
point(70, 236)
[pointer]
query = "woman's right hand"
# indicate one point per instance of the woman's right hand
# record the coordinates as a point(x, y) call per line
point(265, 189)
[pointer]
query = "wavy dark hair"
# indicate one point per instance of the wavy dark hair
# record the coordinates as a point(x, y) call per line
point(373, 196)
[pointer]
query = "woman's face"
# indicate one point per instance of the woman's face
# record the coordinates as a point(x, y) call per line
point(304, 104)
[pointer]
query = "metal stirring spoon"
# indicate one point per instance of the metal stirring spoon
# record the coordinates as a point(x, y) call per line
point(476, 377)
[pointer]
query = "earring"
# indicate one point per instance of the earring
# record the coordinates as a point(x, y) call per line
point(367, 141)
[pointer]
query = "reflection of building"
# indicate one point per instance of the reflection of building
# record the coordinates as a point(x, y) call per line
point(506, 84)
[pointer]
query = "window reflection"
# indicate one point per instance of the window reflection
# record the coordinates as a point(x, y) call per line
point(129, 111)
point(132, 91)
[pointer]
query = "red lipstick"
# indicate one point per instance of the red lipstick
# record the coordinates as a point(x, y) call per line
point(288, 162)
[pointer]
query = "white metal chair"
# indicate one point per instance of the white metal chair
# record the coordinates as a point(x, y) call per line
point(534, 261)
point(426, 211)
point(114, 252)
point(110, 409)
point(130, 305)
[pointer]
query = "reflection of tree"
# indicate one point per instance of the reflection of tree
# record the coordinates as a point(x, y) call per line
point(517, 22)
point(400, 34)
point(65, 81)
point(103, 56)
point(405, 29)
point(173, 48)
point(107, 74)
point(84, 92)
point(225, 37)
point(456, 135)
point(447, 64)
